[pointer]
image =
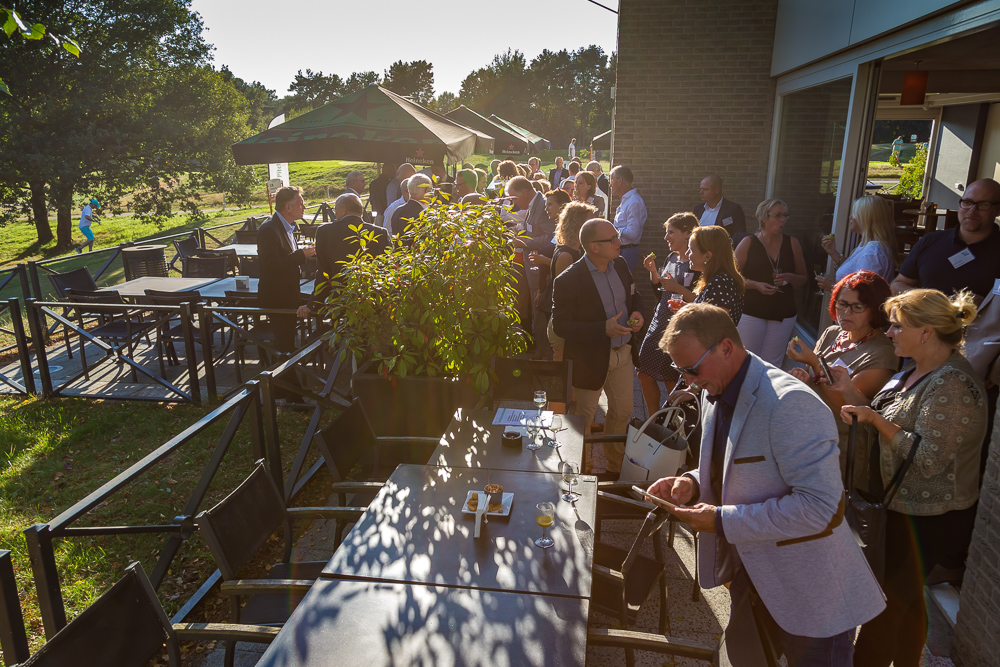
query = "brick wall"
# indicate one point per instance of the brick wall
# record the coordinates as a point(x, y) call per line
point(977, 633)
point(693, 96)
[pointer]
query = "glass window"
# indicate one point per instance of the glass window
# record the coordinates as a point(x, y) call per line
point(806, 176)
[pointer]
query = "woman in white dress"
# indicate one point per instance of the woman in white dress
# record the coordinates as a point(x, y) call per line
point(871, 217)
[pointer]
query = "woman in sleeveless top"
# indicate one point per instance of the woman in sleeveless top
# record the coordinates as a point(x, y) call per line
point(675, 278)
point(772, 264)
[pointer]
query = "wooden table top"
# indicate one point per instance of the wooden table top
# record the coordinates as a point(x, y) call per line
point(472, 441)
point(373, 624)
point(138, 286)
point(415, 531)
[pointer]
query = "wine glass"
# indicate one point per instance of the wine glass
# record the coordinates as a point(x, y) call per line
point(571, 475)
point(545, 514)
point(821, 271)
point(541, 400)
point(532, 427)
point(554, 427)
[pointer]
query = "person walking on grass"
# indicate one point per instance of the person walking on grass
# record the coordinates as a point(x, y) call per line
point(88, 216)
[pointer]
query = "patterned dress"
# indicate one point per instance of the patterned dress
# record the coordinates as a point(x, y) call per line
point(653, 361)
point(721, 291)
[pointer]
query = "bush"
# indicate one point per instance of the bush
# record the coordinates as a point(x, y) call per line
point(441, 307)
point(911, 183)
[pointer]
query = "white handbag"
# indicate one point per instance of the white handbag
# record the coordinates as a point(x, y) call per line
point(653, 450)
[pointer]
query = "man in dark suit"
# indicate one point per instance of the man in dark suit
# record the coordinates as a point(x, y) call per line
point(421, 191)
point(336, 242)
point(715, 209)
point(603, 183)
point(557, 175)
point(280, 259)
point(597, 309)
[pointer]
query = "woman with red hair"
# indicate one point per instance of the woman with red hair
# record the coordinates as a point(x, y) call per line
point(857, 343)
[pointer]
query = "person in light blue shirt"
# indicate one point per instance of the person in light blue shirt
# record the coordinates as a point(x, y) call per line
point(871, 217)
point(630, 216)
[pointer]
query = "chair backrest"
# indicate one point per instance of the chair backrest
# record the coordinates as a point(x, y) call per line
point(519, 379)
point(160, 298)
point(13, 638)
point(187, 247)
point(79, 279)
point(347, 441)
point(125, 626)
point(654, 521)
point(204, 267)
point(238, 526)
point(243, 298)
point(250, 267)
point(92, 297)
point(307, 231)
point(245, 236)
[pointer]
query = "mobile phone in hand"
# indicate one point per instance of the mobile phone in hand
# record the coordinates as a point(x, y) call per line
point(665, 504)
point(826, 370)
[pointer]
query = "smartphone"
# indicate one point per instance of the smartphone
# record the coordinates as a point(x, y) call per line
point(826, 370)
point(665, 504)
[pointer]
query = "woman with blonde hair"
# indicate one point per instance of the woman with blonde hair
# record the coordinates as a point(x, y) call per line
point(772, 263)
point(568, 250)
point(585, 190)
point(930, 421)
point(871, 217)
point(710, 251)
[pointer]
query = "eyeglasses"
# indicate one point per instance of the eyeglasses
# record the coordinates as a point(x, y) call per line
point(978, 205)
point(781, 216)
point(616, 237)
point(693, 370)
point(853, 307)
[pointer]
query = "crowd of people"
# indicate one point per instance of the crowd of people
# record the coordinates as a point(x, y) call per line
point(767, 492)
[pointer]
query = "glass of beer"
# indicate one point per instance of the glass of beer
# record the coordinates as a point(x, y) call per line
point(545, 514)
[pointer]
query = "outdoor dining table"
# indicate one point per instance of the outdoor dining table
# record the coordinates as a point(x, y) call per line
point(241, 249)
point(417, 530)
point(473, 441)
point(217, 289)
point(137, 286)
point(377, 624)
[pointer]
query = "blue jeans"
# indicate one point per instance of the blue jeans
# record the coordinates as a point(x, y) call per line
point(835, 651)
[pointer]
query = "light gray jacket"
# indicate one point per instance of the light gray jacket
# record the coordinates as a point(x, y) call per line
point(782, 509)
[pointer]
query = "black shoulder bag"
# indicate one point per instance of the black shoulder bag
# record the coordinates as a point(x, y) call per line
point(866, 511)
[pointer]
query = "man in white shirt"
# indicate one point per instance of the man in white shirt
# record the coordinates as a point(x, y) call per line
point(630, 216)
point(715, 209)
point(391, 208)
point(421, 191)
point(572, 148)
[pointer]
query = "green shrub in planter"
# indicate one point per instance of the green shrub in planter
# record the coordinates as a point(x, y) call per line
point(441, 307)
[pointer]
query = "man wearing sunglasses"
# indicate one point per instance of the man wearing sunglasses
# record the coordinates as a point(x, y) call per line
point(597, 309)
point(768, 500)
point(961, 258)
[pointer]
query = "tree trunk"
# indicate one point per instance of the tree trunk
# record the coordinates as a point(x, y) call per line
point(64, 217)
point(40, 212)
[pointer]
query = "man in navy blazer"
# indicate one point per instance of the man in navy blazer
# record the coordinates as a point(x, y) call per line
point(715, 209)
point(767, 498)
point(597, 309)
point(557, 175)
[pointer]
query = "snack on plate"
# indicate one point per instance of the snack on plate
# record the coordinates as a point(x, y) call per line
point(473, 503)
point(495, 492)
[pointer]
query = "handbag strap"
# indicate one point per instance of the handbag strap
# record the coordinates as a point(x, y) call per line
point(669, 409)
point(852, 437)
point(897, 479)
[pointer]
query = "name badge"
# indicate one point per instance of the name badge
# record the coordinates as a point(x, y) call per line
point(961, 258)
point(840, 362)
point(893, 382)
point(726, 222)
point(689, 278)
point(633, 289)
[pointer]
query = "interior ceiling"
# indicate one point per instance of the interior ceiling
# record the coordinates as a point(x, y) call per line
point(969, 64)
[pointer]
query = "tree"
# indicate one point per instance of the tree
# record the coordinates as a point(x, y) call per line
point(360, 80)
point(313, 89)
point(14, 24)
point(263, 103)
point(414, 79)
point(443, 103)
point(140, 109)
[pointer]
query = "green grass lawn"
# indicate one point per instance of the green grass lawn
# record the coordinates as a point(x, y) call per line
point(53, 453)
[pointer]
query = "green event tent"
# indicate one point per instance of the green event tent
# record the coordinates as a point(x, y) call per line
point(537, 142)
point(370, 125)
point(507, 142)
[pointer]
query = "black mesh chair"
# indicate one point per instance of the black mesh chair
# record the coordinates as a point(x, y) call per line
point(121, 328)
point(187, 247)
point(260, 330)
point(519, 379)
point(245, 236)
point(78, 279)
point(238, 527)
point(173, 329)
point(250, 266)
point(127, 627)
point(204, 267)
point(306, 232)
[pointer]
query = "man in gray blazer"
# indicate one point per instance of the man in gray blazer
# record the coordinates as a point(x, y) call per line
point(768, 500)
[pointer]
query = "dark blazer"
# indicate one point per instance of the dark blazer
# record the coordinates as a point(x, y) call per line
point(730, 211)
point(605, 185)
point(400, 219)
point(335, 242)
point(556, 176)
point(578, 316)
point(279, 266)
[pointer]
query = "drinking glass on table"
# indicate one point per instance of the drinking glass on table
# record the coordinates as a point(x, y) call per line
point(545, 514)
point(533, 426)
point(541, 400)
point(554, 426)
point(571, 475)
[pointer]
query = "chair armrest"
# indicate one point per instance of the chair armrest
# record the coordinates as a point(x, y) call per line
point(601, 572)
point(645, 641)
point(194, 632)
point(298, 513)
point(626, 502)
point(605, 437)
point(264, 586)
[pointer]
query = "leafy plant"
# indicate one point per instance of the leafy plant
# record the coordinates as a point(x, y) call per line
point(911, 183)
point(441, 307)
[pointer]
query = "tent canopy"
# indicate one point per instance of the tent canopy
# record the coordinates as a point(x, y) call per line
point(507, 142)
point(537, 143)
point(601, 142)
point(370, 125)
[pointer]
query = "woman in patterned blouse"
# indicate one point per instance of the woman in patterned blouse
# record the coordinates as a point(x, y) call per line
point(938, 405)
point(710, 251)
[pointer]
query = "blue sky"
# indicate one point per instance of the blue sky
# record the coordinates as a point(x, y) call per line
point(343, 37)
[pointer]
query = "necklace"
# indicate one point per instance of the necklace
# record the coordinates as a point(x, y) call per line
point(774, 264)
point(843, 344)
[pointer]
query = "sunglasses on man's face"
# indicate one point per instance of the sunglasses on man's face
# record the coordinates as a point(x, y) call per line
point(692, 370)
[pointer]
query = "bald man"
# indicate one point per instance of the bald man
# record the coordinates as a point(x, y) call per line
point(715, 209)
point(394, 190)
